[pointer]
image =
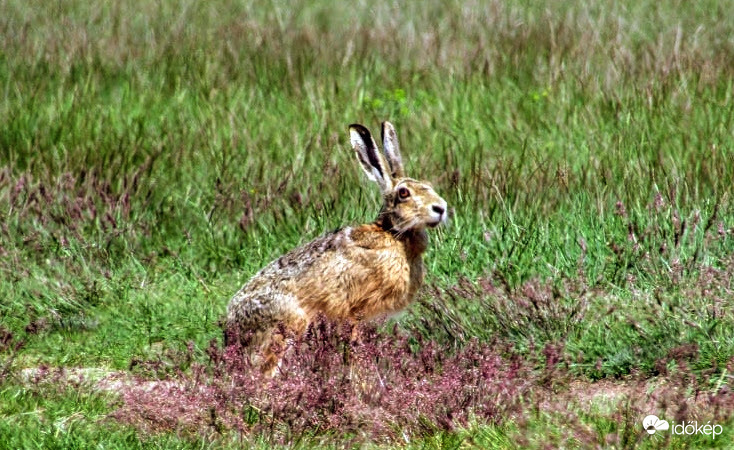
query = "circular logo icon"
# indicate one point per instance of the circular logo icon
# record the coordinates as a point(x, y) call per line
point(651, 424)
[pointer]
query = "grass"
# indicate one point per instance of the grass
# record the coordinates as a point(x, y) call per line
point(155, 155)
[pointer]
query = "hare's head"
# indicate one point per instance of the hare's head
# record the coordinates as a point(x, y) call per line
point(409, 204)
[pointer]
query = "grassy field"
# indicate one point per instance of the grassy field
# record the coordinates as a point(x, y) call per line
point(155, 155)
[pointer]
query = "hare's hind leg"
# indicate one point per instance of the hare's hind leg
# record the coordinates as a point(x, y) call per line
point(281, 340)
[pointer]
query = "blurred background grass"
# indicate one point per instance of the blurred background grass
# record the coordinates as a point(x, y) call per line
point(156, 154)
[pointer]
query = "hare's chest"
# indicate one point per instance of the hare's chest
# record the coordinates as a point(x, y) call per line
point(400, 279)
point(416, 277)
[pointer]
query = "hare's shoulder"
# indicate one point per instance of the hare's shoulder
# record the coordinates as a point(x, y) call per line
point(371, 236)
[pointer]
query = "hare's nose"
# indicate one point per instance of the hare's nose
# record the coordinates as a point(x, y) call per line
point(438, 209)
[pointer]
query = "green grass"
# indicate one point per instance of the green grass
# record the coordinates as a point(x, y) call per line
point(155, 155)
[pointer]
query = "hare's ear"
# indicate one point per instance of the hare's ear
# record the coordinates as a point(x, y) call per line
point(392, 149)
point(370, 158)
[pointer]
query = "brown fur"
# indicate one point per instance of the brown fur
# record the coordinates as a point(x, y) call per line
point(354, 274)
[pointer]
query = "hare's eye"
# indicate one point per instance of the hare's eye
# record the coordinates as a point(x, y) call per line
point(403, 193)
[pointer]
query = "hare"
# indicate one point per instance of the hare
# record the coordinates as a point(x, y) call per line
point(354, 273)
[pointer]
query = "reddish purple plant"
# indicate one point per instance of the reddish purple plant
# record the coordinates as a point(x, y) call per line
point(387, 387)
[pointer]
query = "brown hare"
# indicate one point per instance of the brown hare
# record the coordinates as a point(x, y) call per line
point(354, 273)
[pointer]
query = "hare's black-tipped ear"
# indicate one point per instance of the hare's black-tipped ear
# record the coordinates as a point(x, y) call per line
point(370, 158)
point(392, 149)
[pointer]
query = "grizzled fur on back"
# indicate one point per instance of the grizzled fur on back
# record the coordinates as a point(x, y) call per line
point(354, 273)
